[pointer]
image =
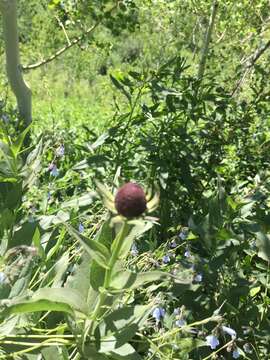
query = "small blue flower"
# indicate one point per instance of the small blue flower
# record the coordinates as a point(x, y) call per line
point(54, 171)
point(158, 313)
point(212, 341)
point(183, 234)
point(187, 254)
point(236, 353)
point(166, 259)
point(134, 250)
point(60, 151)
point(198, 277)
point(81, 228)
point(180, 322)
point(176, 311)
point(173, 244)
point(2, 277)
point(229, 331)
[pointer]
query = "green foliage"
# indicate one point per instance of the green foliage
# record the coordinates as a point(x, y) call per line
point(125, 104)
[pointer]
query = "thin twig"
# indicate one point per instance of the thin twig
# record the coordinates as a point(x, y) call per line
point(248, 68)
point(61, 51)
point(63, 28)
point(73, 42)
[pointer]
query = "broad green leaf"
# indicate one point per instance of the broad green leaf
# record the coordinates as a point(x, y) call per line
point(23, 234)
point(80, 277)
point(131, 280)
point(263, 243)
point(100, 141)
point(34, 306)
point(17, 144)
point(49, 299)
point(37, 243)
point(59, 270)
point(121, 325)
point(97, 251)
point(188, 344)
point(139, 227)
point(54, 352)
point(79, 201)
point(125, 352)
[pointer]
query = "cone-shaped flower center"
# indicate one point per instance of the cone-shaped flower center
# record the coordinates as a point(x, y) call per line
point(130, 200)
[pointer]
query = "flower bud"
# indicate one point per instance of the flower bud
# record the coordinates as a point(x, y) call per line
point(130, 200)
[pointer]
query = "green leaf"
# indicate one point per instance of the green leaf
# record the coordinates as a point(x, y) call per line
point(131, 280)
point(188, 344)
point(24, 234)
point(97, 251)
point(100, 141)
point(125, 352)
point(80, 201)
point(139, 228)
point(254, 291)
point(49, 299)
point(37, 243)
point(263, 243)
point(17, 144)
point(121, 325)
point(120, 87)
point(80, 277)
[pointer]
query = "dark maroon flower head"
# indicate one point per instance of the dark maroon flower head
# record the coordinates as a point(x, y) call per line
point(130, 200)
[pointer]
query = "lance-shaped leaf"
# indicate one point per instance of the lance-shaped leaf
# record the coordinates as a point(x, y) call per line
point(96, 250)
point(48, 299)
point(131, 280)
point(120, 326)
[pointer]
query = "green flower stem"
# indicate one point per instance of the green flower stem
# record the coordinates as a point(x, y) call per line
point(116, 247)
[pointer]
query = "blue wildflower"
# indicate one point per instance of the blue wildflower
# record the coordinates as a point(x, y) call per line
point(158, 313)
point(176, 311)
point(173, 244)
point(60, 151)
point(183, 234)
point(198, 277)
point(180, 322)
point(187, 254)
point(229, 331)
point(134, 250)
point(236, 353)
point(53, 170)
point(212, 341)
point(166, 259)
point(81, 228)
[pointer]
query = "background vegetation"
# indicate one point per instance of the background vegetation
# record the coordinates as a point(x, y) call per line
point(132, 102)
